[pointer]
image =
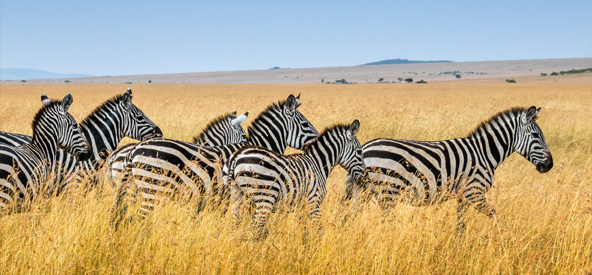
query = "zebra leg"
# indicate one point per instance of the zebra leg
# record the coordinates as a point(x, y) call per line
point(236, 196)
point(461, 210)
point(262, 210)
point(315, 216)
point(479, 201)
point(119, 208)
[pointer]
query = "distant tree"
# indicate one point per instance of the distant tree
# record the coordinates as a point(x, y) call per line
point(343, 81)
point(381, 79)
point(408, 80)
point(322, 80)
point(554, 73)
point(543, 74)
point(458, 76)
point(511, 80)
point(23, 80)
point(149, 81)
point(66, 81)
point(421, 82)
point(400, 79)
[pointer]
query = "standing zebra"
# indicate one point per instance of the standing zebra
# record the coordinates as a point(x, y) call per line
point(223, 130)
point(24, 168)
point(462, 168)
point(268, 178)
point(160, 166)
point(104, 128)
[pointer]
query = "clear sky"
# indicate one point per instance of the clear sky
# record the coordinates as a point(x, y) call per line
point(141, 37)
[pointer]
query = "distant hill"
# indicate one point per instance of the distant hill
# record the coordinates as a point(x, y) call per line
point(21, 73)
point(402, 61)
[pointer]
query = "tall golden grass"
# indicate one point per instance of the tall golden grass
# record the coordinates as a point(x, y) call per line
point(543, 222)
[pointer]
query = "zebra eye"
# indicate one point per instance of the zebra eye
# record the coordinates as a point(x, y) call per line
point(535, 135)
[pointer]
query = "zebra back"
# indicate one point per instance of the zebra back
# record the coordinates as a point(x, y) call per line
point(223, 130)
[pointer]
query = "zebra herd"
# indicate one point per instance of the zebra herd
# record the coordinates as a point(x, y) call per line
point(225, 166)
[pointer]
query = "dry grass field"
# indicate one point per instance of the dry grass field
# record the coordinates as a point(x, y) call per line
point(543, 222)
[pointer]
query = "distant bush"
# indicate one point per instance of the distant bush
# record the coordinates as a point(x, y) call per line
point(554, 73)
point(421, 82)
point(543, 74)
point(511, 80)
point(408, 80)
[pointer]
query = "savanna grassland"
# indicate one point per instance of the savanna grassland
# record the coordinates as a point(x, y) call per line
point(543, 222)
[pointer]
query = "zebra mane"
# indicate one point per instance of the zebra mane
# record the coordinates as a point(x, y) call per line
point(333, 129)
point(514, 111)
point(211, 125)
point(42, 111)
point(270, 108)
point(103, 105)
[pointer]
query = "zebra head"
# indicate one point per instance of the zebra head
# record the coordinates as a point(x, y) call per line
point(223, 130)
point(69, 136)
point(136, 124)
point(530, 141)
point(351, 158)
point(300, 130)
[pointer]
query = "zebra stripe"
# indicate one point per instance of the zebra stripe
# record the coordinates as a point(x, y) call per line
point(24, 168)
point(268, 178)
point(104, 128)
point(462, 168)
point(223, 130)
point(161, 166)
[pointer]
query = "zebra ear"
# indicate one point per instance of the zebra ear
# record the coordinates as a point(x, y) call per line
point(127, 97)
point(44, 99)
point(532, 113)
point(354, 127)
point(239, 119)
point(290, 104)
point(67, 102)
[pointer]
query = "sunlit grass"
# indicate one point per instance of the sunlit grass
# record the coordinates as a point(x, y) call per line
point(543, 222)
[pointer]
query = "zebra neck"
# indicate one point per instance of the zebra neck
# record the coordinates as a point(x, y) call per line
point(103, 133)
point(495, 143)
point(270, 132)
point(323, 155)
point(44, 145)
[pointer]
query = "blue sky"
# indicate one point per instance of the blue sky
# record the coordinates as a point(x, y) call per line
point(141, 37)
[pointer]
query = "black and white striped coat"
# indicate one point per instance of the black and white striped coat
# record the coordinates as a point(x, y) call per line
point(223, 130)
point(463, 168)
point(166, 167)
point(268, 178)
point(104, 128)
point(24, 168)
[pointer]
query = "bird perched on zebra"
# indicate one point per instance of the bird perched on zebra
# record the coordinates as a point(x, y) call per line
point(223, 130)
point(430, 172)
point(269, 178)
point(104, 128)
point(167, 167)
point(24, 168)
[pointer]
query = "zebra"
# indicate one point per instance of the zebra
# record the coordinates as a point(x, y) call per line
point(269, 178)
point(223, 130)
point(24, 168)
point(104, 128)
point(430, 172)
point(154, 166)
